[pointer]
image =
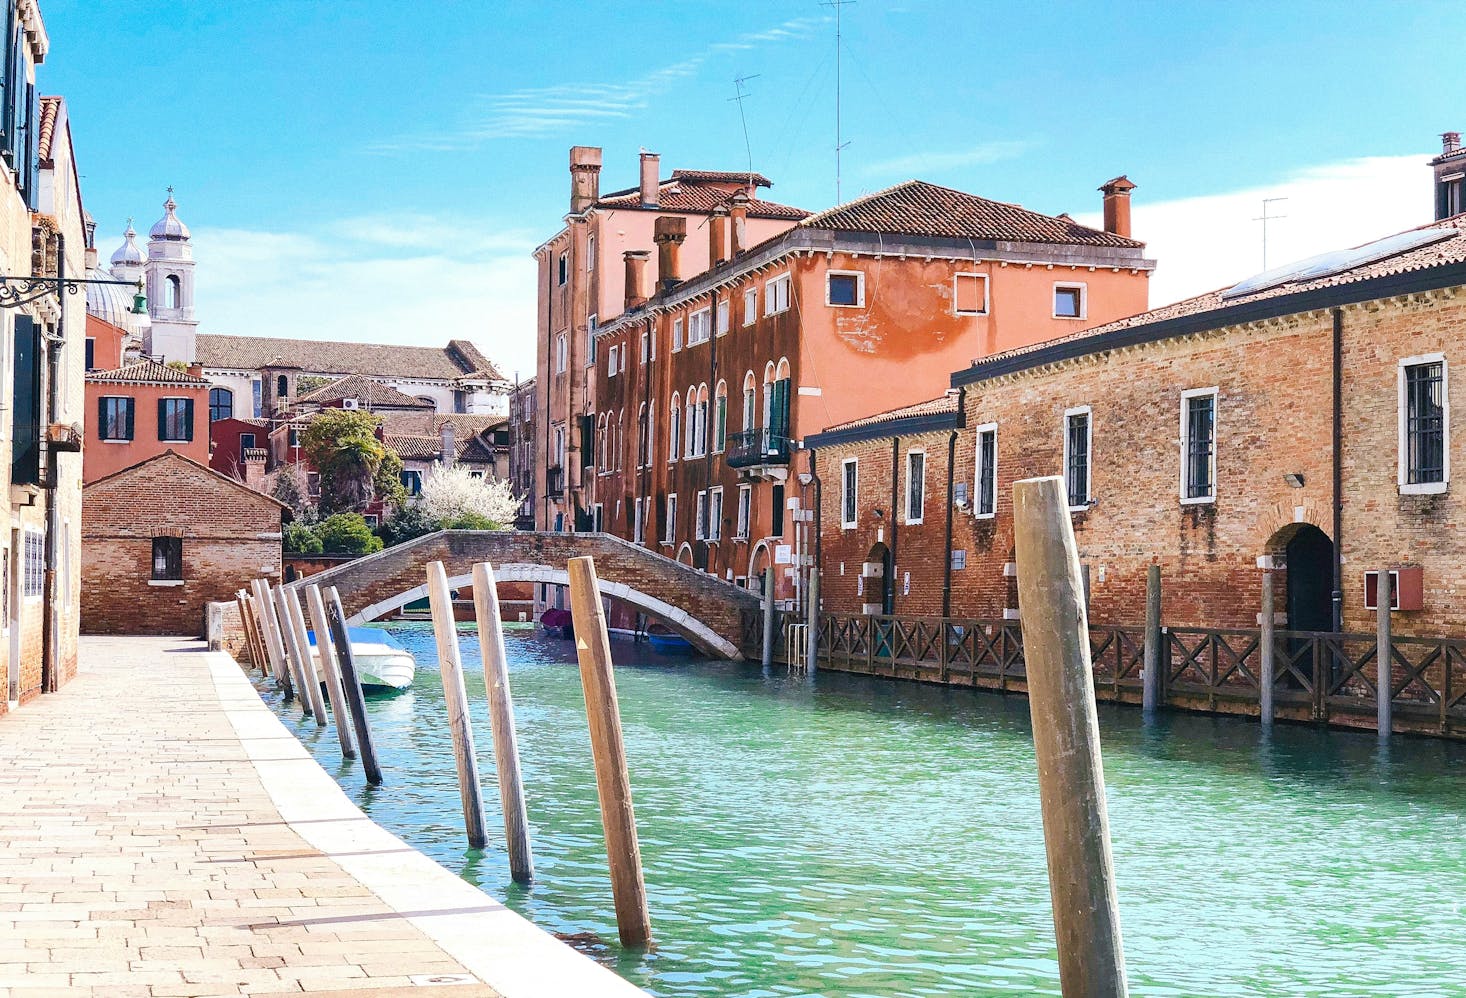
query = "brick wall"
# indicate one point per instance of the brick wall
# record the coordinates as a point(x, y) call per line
point(230, 535)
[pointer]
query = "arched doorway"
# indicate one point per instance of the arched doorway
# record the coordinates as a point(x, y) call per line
point(879, 585)
point(1309, 557)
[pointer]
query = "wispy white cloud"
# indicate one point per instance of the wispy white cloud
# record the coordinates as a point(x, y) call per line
point(537, 112)
point(916, 164)
point(1203, 243)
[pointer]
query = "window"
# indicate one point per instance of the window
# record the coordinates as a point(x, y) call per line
point(1077, 440)
point(26, 418)
point(175, 420)
point(915, 485)
point(564, 269)
point(676, 334)
point(745, 510)
point(1069, 301)
point(411, 482)
point(674, 427)
point(970, 294)
point(1424, 425)
point(638, 524)
point(282, 387)
point(561, 354)
point(115, 417)
point(643, 437)
point(646, 346)
point(1448, 197)
point(985, 486)
point(246, 442)
point(221, 404)
point(167, 559)
point(1198, 445)
point(613, 358)
point(699, 524)
point(590, 253)
point(91, 354)
point(33, 582)
point(597, 517)
point(750, 306)
point(697, 422)
point(715, 514)
point(720, 419)
point(848, 482)
point(750, 413)
point(699, 326)
point(845, 288)
point(776, 295)
point(254, 387)
point(669, 524)
point(723, 320)
point(294, 437)
point(559, 452)
point(172, 292)
point(776, 515)
point(591, 324)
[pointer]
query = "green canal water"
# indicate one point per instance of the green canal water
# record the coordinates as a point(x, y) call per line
point(851, 837)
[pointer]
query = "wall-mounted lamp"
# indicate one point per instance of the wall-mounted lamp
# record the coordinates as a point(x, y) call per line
point(1294, 479)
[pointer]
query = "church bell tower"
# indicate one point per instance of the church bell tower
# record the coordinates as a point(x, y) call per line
point(169, 274)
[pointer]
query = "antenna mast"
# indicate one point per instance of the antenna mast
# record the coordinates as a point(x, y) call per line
point(840, 143)
point(738, 98)
point(1265, 218)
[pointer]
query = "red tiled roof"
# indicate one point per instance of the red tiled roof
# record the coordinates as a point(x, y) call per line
point(429, 424)
point(456, 361)
point(941, 405)
point(372, 393)
point(147, 372)
point(918, 208)
point(424, 448)
point(50, 112)
point(722, 177)
point(675, 195)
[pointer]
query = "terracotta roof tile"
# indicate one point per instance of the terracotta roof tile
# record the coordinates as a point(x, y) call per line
point(371, 393)
point(722, 177)
point(918, 208)
point(458, 360)
point(676, 195)
point(147, 372)
point(46, 133)
point(941, 405)
point(430, 424)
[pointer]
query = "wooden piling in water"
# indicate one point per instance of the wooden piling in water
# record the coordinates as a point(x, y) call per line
point(326, 648)
point(445, 629)
point(1066, 743)
point(770, 616)
point(292, 653)
point(1384, 656)
point(812, 631)
point(265, 603)
point(1150, 690)
point(613, 784)
point(247, 624)
point(256, 634)
point(341, 638)
point(501, 716)
point(302, 640)
point(1268, 650)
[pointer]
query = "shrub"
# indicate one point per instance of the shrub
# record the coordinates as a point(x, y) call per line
point(450, 493)
point(301, 539)
point(348, 533)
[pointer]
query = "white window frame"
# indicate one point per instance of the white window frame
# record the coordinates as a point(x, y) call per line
point(676, 426)
point(598, 517)
point(699, 515)
point(1088, 413)
point(590, 253)
point(699, 326)
point(1081, 287)
point(715, 513)
point(677, 334)
point(1185, 441)
point(562, 353)
point(772, 287)
point(906, 504)
point(745, 512)
point(849, 493)
point(978, 471)
point(986, 288)
point(613, 357)
point(1408, 488)
point(646, 346)
point(638, 526)
point(723, 317)
point(859, 276)
point(590, 340)
point(669, 529)
point(750, 306)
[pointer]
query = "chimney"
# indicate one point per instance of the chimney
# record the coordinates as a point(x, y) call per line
point(448, 447)
point(636, 277)
point(1450, 142)
point(585, 177)
point(1117, 205)
point(91, 258)
point(718, 236)
point(254, 468)
point(651, 180)
point(668, 232)
point(196, 369)
point(739, 211)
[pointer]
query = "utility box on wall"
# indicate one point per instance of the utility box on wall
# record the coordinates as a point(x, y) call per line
point(1407, 587)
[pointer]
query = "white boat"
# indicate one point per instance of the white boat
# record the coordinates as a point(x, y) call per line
point(381, 661)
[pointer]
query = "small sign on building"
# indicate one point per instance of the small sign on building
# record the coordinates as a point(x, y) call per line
point(783, 554)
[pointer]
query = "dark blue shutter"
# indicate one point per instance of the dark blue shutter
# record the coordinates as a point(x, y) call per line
point(25, 457)
point(128, 406)
point(188, 419)
point(162, 419)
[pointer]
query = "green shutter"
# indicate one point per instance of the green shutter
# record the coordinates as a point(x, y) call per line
point(162, 419)
point(188, 419)
point(101, 419)
point(129, 406)
point(25, 437)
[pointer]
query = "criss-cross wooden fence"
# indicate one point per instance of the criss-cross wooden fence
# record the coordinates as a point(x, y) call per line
point(1324, 677)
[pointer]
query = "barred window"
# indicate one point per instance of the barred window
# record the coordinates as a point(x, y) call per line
point(167, 559)
point(1076, 456)
point(1425, 423)
point(1198, 437)
point(985, 499)
point(847, 493)
point(33, 582)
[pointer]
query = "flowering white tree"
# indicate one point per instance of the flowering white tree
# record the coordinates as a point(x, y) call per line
point(451, 493)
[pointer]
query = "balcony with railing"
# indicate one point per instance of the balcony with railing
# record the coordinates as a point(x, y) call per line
point(758, 451)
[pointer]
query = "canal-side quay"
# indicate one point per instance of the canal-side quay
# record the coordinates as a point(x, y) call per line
point(161, 833)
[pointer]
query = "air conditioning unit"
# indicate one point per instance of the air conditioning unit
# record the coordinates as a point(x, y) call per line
point(351, 403)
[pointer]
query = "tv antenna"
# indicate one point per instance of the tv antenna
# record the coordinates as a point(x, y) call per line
point(840, 142)
point(739, 94)
point(1265, 218)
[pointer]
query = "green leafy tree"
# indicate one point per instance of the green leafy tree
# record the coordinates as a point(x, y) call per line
point(407, 522)
point(343, 445)
point(348, 533)
point(300, 538)
point(388, 483)
point(471, 521)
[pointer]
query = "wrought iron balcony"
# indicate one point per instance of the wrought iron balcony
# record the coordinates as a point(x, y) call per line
point(555, 481)
point(753, 448)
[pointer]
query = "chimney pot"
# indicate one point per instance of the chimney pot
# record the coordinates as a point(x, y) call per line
point(1117, 205)
point(636, 277)
point(718, 236)
point(738, 210)
point(651, 180)
point(668, 231)
point(449, 447)
point(1450, 142)
point(585, 177)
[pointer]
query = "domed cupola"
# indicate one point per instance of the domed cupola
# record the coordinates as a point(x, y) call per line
point(169, 227)
point(129, 254)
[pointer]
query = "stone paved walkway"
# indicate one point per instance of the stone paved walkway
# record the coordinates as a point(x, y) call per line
point(141, 853)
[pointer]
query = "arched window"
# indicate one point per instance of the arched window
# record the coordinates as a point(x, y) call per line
point(561, 357)
point(768, 394)
point(779, 405)
point(601, 449)
point(702, 420)
point(750, 387)
point(674, 426)
point(221, 404)
point(172, 292)
point(690, 444)
point(559, 447)
point(282, 386)
point(720, 418)
point(620, 439)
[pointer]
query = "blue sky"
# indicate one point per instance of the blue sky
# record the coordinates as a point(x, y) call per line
point(381, 171)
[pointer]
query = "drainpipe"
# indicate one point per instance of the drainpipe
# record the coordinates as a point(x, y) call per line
point(947, 566)
point(50, 623)
point(895, 517)
point(814, 476)
point(1338, 443)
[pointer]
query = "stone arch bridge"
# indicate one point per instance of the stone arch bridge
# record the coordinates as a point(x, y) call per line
point(702, 608)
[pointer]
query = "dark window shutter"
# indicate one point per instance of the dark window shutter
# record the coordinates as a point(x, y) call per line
point(188, 419)
point(129, 405)
point(25, 467)
point(101, 419)
point(776, 526)
point(162, 419)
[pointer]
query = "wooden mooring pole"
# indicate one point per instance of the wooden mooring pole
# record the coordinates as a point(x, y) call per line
point(1384, 656)
point(307, 665)
point(501, 718)
point(1150, 691)
point(341, 638)
point(326, 648)
point(770, 616)
point(247, 624)
point(613, 784)
point(292, 653)
point(1066, 742)
point(812, 632)
point(465, 759)
point(1268, 649)
point(265, 604)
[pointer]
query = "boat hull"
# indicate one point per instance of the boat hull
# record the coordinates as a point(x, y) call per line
point(380, 666)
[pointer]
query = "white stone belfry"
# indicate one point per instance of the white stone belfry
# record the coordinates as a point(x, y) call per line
point(170, 288)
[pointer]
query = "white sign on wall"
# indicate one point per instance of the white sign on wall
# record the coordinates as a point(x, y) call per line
point(783, 554)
